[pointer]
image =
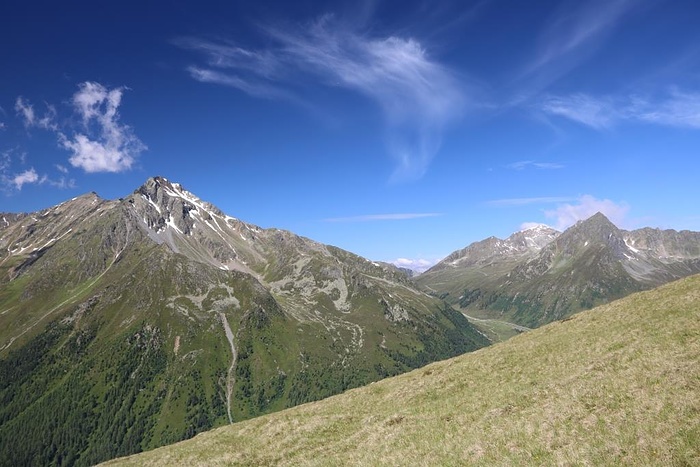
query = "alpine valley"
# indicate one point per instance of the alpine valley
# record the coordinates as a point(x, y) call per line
point(540, 275)
point(130, 324)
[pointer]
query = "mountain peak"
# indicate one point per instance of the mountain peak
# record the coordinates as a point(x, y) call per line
point(536, 228)
point(532, 239)
point(597, 225)
point(593, 232)
point(162, 204)
point(157, 184)
point(597, 219)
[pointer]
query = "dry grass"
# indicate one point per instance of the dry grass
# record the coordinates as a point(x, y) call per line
point(616, 385)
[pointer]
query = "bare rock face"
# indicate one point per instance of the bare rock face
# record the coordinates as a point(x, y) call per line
point(164, 204)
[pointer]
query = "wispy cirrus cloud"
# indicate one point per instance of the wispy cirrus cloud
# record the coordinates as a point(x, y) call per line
point(60, 182)
point(570, 36)
point(676, 108)
point(577, 26)
point(418, 96)
point(522, 165)
point(526, 201)
point(5, 160)
point(596, 113)
point(30, 119)
point(255, 89)
point(681, 109)
point(384, 217)
point(105, 144)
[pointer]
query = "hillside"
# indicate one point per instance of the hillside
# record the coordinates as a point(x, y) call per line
point(617, 385)
point(134, 323)
point(539, 275)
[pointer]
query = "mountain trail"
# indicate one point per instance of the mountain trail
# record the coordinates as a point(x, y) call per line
point(230, 379)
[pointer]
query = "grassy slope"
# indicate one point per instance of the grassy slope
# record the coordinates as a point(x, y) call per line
point(619, 384)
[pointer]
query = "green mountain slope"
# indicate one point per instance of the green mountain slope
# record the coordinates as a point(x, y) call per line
point(130, 324)
point(617, 385)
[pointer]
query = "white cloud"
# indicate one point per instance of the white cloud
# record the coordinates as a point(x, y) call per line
point(2, 125)
point(61, 168)
point(417, 95)
point(521, 165)
point(419, 265)
point(107, 145)
point(526, 201)
point(567, 215)
point(383, 217)
point(676, 108)
point(26, 111)
point(103, 145)
point(28, 176)
point(97, 156)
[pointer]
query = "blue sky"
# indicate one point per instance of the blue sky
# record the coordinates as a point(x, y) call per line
point(391, 129)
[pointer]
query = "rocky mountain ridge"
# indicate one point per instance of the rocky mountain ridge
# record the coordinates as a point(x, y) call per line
point(590, 263)
point(518, 244)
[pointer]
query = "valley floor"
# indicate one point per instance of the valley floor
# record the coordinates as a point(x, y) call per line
point(495, 329)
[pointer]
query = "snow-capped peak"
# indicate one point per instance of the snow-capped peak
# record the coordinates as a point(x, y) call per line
point(535, 227)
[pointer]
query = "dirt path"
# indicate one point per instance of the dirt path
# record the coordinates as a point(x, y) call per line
point(230, 379)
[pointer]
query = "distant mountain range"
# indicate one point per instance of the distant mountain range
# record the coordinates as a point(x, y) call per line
point(540, 275)
point(138, 322)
